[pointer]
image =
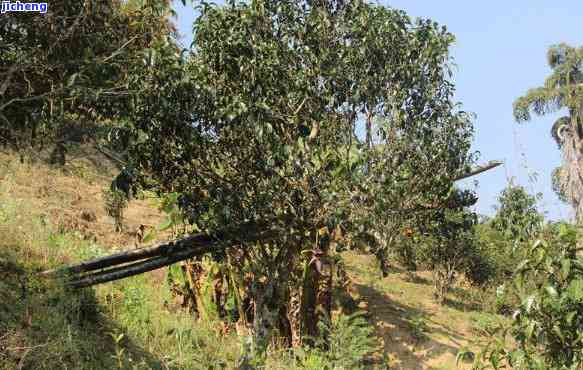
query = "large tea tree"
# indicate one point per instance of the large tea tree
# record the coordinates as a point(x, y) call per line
point(255, 130)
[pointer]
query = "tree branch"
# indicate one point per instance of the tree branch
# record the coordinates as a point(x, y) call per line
point(477, 170)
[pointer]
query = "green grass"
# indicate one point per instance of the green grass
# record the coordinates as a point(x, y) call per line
point(130, 324)
point(46, 326)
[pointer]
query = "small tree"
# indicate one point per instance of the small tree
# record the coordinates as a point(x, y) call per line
point(517, 217)
point(115, 202)
point(449, 247)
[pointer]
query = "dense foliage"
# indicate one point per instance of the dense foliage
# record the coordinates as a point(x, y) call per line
point(255, 132)
point(517, 217)
point(547, 323)
point(63, 76)
point(253, 136)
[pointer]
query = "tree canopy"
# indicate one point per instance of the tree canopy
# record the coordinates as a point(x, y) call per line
point(253, 130)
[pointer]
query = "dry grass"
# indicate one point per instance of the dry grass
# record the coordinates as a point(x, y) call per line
point(398, 306)
point(53, 216)
point(70, 198)
point(122, 325)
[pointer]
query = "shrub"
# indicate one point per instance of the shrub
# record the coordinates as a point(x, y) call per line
point(115, 204)
point(345, 342)
point(548, 324)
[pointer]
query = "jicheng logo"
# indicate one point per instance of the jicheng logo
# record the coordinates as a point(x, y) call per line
point(9, 7)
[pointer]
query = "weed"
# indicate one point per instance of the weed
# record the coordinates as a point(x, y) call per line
point(484, 322)
point(418, 327)
point(115, 204)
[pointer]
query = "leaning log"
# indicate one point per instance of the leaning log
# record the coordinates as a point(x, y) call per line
point(161, 249)
point(137, 261)
point(139, 267)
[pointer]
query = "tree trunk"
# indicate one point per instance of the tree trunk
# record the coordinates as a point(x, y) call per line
point(443, 278)
point(265, 315)
point(369, 130)
point(309, 301)
point(576, 173)
point(294, 316)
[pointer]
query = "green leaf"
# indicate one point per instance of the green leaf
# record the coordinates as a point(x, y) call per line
point(530, 330)
point(570, 316)
point(151, 235)
point(71, 81)
point(557, 330)
point(168, 223)
point(565, 267)
point(575, 290)
point(176, 275)
point(551, 290)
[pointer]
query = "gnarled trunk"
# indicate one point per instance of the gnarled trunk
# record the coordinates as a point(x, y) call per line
point(571, 173)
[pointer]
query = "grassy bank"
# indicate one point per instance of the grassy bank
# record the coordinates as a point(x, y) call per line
point(137, 324)
point(131, 324)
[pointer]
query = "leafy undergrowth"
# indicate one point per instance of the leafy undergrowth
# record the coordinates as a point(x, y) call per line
point(136, 324)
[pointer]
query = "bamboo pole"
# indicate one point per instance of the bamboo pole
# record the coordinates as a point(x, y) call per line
point(133, 255)
point(138, 267)
point(118, 266)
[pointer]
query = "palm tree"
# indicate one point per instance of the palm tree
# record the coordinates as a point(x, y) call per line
point(562, 90)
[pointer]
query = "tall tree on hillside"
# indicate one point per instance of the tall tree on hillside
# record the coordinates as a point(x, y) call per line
point(255, 132)
point(563, 89)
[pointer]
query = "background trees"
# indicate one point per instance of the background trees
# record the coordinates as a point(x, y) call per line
point(64, 75)
point(563, 89)
point(546, 322)
point(517, 217)
point(545, 290)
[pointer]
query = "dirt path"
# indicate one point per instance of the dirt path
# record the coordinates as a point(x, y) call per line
point(400, 309)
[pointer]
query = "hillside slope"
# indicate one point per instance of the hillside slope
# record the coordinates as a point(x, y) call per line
point(415, 331)
point(49, 217)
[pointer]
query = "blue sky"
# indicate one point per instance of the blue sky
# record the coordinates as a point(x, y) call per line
point(500, 52)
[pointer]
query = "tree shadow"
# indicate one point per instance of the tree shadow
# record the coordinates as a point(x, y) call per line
point(462, 301)
point(412, 277)
point(44, 325)
point(396, 323)
point(462, 306)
